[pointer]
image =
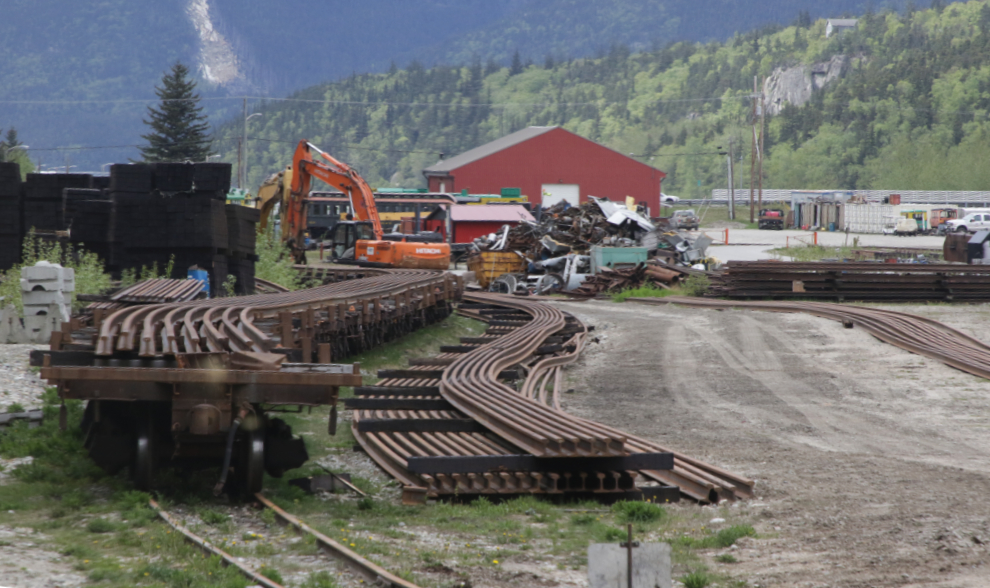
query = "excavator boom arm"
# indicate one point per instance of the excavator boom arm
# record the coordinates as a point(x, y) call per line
point(337, 174)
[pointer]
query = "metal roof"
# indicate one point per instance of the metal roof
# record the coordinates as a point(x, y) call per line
point(448, 165)
point(496, 213)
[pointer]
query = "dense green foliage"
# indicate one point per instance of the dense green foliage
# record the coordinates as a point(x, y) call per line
point(178, 127)
point(13, 150)
point(80, 74)
point(90, 274)
point(909, 111)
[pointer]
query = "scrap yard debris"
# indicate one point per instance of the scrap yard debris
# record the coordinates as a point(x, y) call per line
point(598, 246)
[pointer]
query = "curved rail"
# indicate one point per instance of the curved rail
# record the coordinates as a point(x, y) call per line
point(232, 324)
point(517, 327)
point(913, 333)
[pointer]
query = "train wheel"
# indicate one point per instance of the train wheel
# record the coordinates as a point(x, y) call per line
point(253, 462)
point(145, 454)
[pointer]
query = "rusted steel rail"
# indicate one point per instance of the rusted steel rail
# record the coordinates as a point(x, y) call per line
point(370, 571)
point(913, 333)
point(410, 426)
point(853, 281)
point(322, 323)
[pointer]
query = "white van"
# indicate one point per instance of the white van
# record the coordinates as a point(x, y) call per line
point(972, 222)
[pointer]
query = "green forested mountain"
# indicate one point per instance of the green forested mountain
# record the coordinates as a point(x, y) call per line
point(78, 74)
point(907, 108)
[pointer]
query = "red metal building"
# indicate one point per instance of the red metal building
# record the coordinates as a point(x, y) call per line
point(469, 221)
point(549, 164)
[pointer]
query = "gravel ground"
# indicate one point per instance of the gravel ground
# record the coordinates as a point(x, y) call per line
point(869, 460)
point(18, 384)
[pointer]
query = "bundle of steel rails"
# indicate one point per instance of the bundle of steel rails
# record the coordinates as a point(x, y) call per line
point(176, 381)
point(320, 324)
point(910, 332)
point(853, 281)
point(452, 425)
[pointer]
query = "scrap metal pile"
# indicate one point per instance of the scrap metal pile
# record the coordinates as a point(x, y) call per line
point(853, 281)
point(653, 272)
point(558, 249)
point(453, 425)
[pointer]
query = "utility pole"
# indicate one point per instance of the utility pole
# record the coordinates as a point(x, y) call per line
point(732, 183)
point(752, 155)
point(241, 151)
point(763, 118)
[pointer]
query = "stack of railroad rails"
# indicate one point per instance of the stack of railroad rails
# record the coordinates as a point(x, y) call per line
point(895, 282)
point(195, 381)
point(453, 426)
point(910, 332)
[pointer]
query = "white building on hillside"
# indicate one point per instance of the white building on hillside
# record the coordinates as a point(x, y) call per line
point(834, 26)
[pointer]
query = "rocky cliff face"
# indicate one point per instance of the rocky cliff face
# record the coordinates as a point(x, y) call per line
point(216, 60)
point(795, 85)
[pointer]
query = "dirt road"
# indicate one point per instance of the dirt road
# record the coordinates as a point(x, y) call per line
point(872, 463)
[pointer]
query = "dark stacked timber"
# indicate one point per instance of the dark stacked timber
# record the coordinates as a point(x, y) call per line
point(853, 281)
point(10, 215)
point(142, 215)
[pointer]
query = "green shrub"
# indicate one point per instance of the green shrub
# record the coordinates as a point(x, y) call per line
point(101, 526)
point(213, 517)
point(727, 537)
point(91, 275)
point(15, 407)
point(695, 285)
point(726, 558)
point(698, 579)
point(583, 519)
point(612, 534)
point(320, 580)
point(646, 291)
point(638, 512)
point(272, 574)
point(275, 261)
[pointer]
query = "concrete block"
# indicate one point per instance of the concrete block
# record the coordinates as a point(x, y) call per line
point(39, 327)
point(46, 285)
point(42, 297)
point(42, 271)
point(608, 564)
point(11, 328)
point(68, 279)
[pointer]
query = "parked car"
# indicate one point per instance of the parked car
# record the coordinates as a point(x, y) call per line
point(667, 198)
point(906, 226)
point(684, 219)
point(972, 222)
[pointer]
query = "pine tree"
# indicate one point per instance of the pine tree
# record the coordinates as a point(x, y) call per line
point(179, 130)
point(517, 65)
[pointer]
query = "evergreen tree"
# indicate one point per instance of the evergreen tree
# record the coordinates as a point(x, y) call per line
point(179, 130)
point(9, 144)
point(517, 65)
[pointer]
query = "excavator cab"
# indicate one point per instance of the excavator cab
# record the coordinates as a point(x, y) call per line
point(345, 235)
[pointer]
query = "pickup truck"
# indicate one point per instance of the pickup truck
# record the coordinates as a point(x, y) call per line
point(684, 219)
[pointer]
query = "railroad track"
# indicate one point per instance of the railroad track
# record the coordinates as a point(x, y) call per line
point(453, 425)
point(374, 574)
point(913, 333)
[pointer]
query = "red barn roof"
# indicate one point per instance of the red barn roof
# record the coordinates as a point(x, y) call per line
point(554, 159)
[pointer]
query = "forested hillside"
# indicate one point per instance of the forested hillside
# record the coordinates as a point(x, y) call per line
point(908, 109)
point(77, 74)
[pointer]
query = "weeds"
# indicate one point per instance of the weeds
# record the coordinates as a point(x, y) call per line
point(722, 539)
point(697, 579)
point(638, 512)
point(275, 262)
point(726, 558)
point(90, 274)
point(15, 407)
point(645, 291)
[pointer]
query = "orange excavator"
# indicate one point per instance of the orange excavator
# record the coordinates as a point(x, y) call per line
point(360, 241)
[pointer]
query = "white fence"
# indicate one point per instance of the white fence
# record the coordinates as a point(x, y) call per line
point(981, 198)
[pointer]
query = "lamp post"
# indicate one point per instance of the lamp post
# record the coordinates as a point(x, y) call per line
point(242, 165)
point(732, 185)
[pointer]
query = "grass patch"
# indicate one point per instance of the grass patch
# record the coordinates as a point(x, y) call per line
point(638, 512)
point(697, 579)
point(807, 253)
point(645, 291)
point(727, 558)
point(724, 538)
